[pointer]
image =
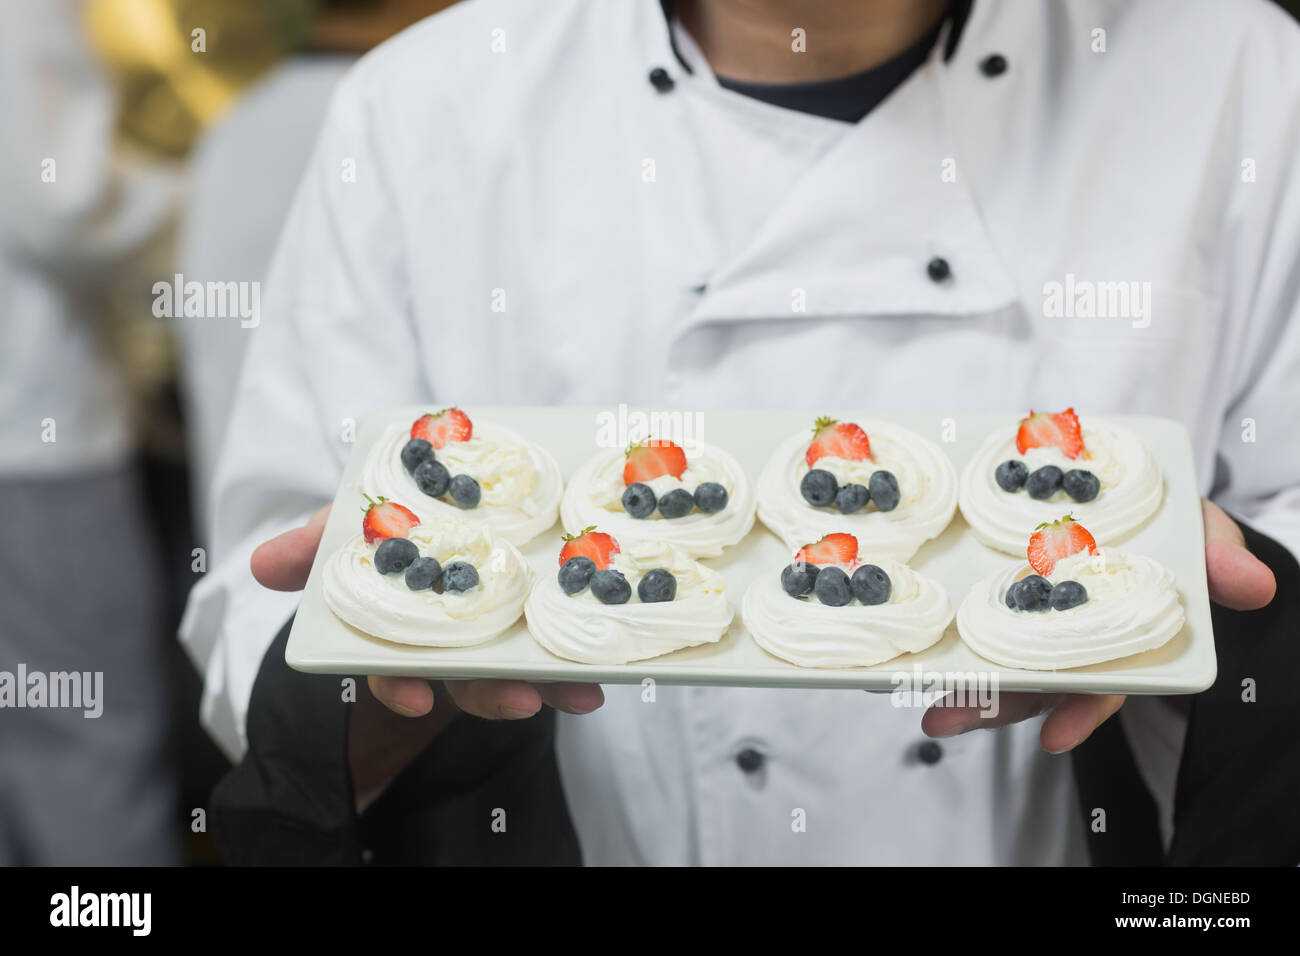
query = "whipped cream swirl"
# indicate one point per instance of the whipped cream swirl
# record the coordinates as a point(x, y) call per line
point(1132, 606)
point(383, 606)
point(595, 497)
point(520, 481)
point(806, 632)
point(1131, 488)
point(580, 628)
point(927, 485)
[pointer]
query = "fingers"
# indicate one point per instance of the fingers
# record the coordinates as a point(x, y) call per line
point(1237, 578)
point(283, 563)
point(1219, 525)
point(408, 696)
point(572, 698)
point(495, 699)
point(941, 721)
point(1074, 719)
point(489, 699)
point(516, 699)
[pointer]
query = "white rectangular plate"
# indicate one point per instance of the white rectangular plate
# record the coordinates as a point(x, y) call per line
point(321, 643)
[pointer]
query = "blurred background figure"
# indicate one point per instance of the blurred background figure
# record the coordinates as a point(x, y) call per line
point(243, 177)
point(79, 572)
point(103, 101)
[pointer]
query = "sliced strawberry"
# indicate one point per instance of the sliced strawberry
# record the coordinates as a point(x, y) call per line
point(591, 543)
point(450, 424)
point(832, 439)
point(386, 519)
point(1059, 539)
point(650, 459)
point(1051, 430)
point(835, 548)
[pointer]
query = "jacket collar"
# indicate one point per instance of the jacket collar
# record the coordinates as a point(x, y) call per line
point(855, 233)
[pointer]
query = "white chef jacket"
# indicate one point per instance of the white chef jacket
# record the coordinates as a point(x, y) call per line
point(72, 209)
point(654, 247)
point(243, 174)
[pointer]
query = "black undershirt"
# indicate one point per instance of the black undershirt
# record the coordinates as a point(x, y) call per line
point(848, 98)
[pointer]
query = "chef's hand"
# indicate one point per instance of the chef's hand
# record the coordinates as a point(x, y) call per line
point(400, 716)
point(1237, 580)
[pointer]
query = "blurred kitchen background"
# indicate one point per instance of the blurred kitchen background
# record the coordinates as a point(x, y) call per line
point(181, 128)
point(141, 139)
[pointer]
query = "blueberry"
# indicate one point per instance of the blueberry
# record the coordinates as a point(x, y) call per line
point(431, 477)
point(459, 576)
point(658, 585)
point(832, 587)
point(423, 574)
point(1038, 588)
point(465, 491)
point(871, 585)
point(1044, 482)
point(575, 574)
point(884, 490)
point(415, 453)
point(1030, 593)
point(1067, 594)
point(395, 554)
point(676, 503)
point(1011, 474)
point(639, 500)
point(798, 578)
point(1080, 485)
point(1012, 594)
point(710, 497)
point(851, 498)
point(819, 487)
point(610, 587)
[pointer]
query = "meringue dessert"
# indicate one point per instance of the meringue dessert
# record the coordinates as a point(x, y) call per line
point(1053, 461)
point(829, 608)
point(436, 580)
point(481, 472)
point(885, 484)
point(696, 499)
point(613, 604)
point(1074, 605)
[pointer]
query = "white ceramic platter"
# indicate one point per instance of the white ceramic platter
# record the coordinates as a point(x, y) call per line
point(321, 643)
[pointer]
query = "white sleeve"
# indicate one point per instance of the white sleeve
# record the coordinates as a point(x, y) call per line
point(1257, 474)
point(1258, 467)
point(335, 342)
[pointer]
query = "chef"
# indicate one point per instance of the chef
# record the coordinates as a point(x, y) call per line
point(778, 204)
point(79, 582)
